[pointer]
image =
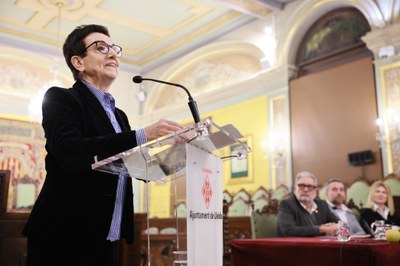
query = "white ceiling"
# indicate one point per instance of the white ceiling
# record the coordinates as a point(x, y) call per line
point(151, 32)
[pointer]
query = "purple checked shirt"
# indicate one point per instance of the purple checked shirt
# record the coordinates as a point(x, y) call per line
point(108, 103)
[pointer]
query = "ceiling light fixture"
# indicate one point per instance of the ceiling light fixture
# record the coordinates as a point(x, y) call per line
point(141, 95)
point(35, 104)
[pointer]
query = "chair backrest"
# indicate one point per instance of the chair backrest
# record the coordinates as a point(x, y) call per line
point(356, 213)
point(239, 207)
point(260, 198)
point(280, 192)
point(263, 225)
point(181, 210)
point(358, 191)
point(322, 193)
point(168, 230)
point(354, 208)
point(242, 194)
point(151, 231)
point(394, 185)
point(260, 203)
point(261, 192)
point(227, 196)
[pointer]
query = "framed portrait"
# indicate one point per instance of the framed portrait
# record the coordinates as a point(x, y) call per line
point(241, 169)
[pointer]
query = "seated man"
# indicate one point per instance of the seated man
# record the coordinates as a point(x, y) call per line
point(336, 197)
point(303, 215)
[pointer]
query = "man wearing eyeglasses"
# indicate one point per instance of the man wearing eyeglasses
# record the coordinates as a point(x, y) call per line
point(336, 197)
point(304, 215)
point(80, 213)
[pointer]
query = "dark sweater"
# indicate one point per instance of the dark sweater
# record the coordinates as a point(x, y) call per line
point(368, 216)
point(294, 220)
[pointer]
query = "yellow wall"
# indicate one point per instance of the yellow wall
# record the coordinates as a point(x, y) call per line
point(250, 118)
point(160, 199)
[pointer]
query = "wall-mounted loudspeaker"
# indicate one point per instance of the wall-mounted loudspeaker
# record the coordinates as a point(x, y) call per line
point(361, 157)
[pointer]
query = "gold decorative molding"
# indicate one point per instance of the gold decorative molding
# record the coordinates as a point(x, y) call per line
point(278, 141)
point(251, 7)
point(390, 99)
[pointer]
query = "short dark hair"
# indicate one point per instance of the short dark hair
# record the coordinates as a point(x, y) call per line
point(74, 44)
point(333, 180)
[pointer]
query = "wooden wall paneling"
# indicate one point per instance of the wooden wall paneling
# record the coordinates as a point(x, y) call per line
point(333, 113)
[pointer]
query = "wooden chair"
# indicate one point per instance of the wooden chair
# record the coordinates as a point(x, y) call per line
point(242, 193)
point(233, 228)
point(259, 203)
point(168, 231)
point(227, 259)
point(240, 205)
point(322, 193)
point(393, 183)
point(354, 208)
point(260, 199)
point(280, 192)
point(227, 196)
point(151, 231)
point(260, 192)
point(264, 223)
point(181, 210)
point(272, 207)
point(358, 191)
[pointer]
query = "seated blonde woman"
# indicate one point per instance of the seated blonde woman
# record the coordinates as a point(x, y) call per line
point(379, 206)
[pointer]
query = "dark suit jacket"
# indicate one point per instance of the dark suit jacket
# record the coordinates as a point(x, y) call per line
point(76, 203)
point(294, 220)
point(352, 222)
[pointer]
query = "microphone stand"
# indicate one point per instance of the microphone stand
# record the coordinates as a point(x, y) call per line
point(192, 103)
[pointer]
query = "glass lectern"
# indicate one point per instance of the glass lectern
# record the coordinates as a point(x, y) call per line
point(194, 152)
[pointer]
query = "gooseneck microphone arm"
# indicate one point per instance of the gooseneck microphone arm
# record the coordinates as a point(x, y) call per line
point(192, 103)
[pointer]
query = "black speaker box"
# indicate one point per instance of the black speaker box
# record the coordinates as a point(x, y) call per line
point(361, 157)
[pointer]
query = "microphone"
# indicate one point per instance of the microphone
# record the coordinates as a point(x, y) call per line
point(192, 103)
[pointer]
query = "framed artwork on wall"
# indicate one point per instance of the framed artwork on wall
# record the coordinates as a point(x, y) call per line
point(21, 164)
point(241, 169)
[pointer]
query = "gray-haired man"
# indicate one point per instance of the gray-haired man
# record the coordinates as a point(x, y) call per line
point(304, 215)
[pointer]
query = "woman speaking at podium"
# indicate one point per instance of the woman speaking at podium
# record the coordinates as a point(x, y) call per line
point(80, 213)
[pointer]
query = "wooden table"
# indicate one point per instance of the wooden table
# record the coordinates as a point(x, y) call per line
point(324, 251)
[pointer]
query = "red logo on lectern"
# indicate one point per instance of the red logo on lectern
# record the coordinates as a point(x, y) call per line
point(206, 190)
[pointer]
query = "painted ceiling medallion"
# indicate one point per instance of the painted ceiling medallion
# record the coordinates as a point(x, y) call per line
point(68, 5)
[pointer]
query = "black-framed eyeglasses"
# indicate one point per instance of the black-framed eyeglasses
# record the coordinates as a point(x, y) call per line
point(104, 48)
point(309, 187)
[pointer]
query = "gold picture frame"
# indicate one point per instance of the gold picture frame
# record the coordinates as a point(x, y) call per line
point(241, 169)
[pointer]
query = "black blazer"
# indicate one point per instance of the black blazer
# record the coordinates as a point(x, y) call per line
point(76, 203)
point(294, 220)
point(368, 216)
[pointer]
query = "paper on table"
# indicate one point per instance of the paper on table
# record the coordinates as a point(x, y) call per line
point(360, 236)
